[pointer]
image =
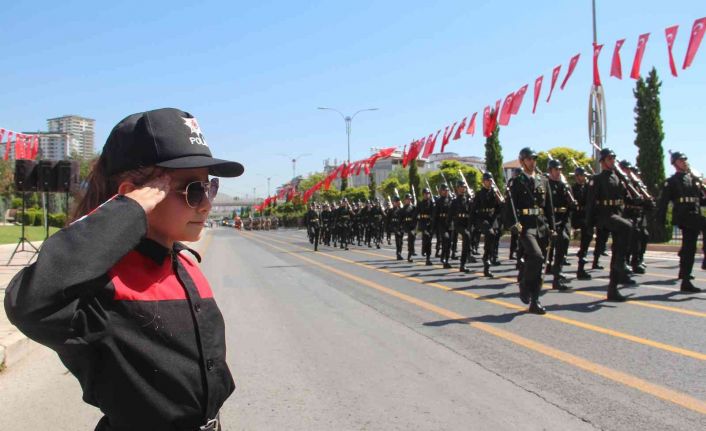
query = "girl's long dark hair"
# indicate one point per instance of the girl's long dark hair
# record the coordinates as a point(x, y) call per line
point(101, 187)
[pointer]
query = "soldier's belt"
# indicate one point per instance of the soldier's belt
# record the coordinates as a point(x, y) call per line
point(443, 215)
point(462, 215)
point(611, 202)
point(688, 200)
point(409, 219)
point(424, 216)
point(561, 210)
point(487, 210)
point(532, 211)
point(314, 220)
point(633, 207)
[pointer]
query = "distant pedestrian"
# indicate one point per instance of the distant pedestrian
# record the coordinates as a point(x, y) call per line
point(130, 316)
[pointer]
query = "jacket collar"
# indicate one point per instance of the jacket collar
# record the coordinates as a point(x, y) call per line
point(157, 252)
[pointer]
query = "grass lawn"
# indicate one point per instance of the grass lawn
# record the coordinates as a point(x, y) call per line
point(10, 234)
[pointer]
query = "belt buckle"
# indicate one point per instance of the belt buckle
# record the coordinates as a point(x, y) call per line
point(211, 425)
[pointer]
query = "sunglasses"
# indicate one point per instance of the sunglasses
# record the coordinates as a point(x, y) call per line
point(196, 191)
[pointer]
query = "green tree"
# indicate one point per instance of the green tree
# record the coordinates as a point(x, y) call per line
point(355, 194)
point(7, 179)
point(372, 185)
point(344, 184)
point(648, 139)
point(414, 177)
point(330, 195)
point(387, 188)
point(494, 158)
point(450, 169)
point(400, 173)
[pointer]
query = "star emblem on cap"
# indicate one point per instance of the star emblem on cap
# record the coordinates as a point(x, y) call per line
point(193, 125)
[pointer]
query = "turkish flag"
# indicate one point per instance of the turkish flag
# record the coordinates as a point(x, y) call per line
point(506, 111)
point(445, 139)
point(493, 122)
point(555, 76)
point(517, 101)
point(697, 33)
point(596, 75)
point(572, 65)
point(671, 34)
point(460, 129)
point(19, 146)
point(486, 121)
point(29, 147)
point(537, 90)
point(404, 157)
point(358, 167)
point(35, 150)
point(366, 167)
point(616, 68)
point(472, 125)
point(431, 142)
point(641, 43)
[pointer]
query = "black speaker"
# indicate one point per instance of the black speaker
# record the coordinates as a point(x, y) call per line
point(67, 175)
point(25, 175)
point(46, 176)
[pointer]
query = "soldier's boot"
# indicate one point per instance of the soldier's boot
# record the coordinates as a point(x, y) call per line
point(471, 258)
point(463, 269)
point(512, 255)
point(428, 262)
point(486, 269)
point(688, 287)
point(559, 284)
point(581, 273)
point(399, 256)
point(409, 257)
point(624, 278)
point(636, 267)
point(596, 265)
point(565, 262)
point(536, 308)
point(447, 265)
point(548, 269)
point(613, 293)
point(453, 256)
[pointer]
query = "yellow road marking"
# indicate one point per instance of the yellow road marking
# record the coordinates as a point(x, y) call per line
point(629, 380)
point(644, 341)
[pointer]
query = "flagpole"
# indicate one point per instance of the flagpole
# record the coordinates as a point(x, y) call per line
point(596, 107)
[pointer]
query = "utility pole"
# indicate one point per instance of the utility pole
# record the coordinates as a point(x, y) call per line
point(597, 123)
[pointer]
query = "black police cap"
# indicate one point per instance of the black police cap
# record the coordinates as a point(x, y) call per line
point(426, 190)
point(443, 187)
point(554, 164)
point(395, 199)
point(625, 164)
point(407, 196)
point(606, 152)
point(487, 176)
point(527, 152)
point(678, 155)
point(579, 171)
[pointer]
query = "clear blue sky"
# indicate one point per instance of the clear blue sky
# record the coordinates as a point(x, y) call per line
point(253, 73)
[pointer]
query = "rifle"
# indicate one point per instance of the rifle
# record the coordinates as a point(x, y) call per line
point(517, 224)
point(469, 191)
point(451, 192)
point(389, 201)
point(587, 167)
point(414, 195)
point(397, 193)
point(428, 186)
point(495, 189)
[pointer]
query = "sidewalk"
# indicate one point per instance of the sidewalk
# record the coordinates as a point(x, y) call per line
point(14, 346)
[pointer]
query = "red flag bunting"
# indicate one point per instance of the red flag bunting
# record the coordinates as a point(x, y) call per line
point(472, 125)
point(493, 123)
point(460, 129)
point(555, 76)
point(596, 75)
point(366, 166)
point(29, 143)
point(616, 68)
point(572, 65)
point(517, 101)
point(429, 147)
point(697, 34)
point(447, 136)
point(404, 157)
point(671, 34)
point(486, 121)
point(506, 111)
point(537, 90)
point(641, 44)
point(35, 150)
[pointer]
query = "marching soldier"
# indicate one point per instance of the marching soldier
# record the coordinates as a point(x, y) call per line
point(514, 236)
point(686, 193)
point(425, 211)
point(394, 225)
point(327, 224)
point(486, 210)
point(377, 217)
point(606, 197)
point(461, 216)
point(578, 221)
point(442, 223)
point(408, 217)
point(563, 202)
point(531, 205)
point(343, 222)
point(635, 212)
point(312, 225)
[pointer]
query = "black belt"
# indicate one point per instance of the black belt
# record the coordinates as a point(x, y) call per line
point(424, 216)
point(688, 200)
point(487, 210)
point(532, 211)
point(611, 202)
point(462, 215)
point(409, 219)
point(561, 210)
point(442, 215)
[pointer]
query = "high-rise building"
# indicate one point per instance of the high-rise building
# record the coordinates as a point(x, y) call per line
point(83, 130)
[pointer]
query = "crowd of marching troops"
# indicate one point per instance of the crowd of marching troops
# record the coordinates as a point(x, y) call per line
point(539, 210)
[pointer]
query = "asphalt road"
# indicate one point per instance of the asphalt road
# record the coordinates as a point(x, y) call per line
point(355, 340)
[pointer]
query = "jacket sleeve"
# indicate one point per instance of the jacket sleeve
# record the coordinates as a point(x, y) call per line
point(663, 202)
point(42, 299)
point(592, 195)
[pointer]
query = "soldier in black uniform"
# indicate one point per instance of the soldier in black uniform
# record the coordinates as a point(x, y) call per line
point(686, 193)
point(343, 222)
point(635, 212)
point(563, 202)
point(425, 212)
point(408, 217)
point(461, 216)
point(326, 224)
point(606, 197)
point(578, 221)
point(442, 223)
point(486, 211)
point(394, 225)
point(528, 195)
point(377, 223)
point(514, 236)
point(312, 221)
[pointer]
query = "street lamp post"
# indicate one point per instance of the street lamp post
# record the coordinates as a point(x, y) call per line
point(597, 122)
point(294, 162)
point(348, 119)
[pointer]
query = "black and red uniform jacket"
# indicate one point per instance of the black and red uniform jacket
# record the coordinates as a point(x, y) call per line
point(135, 322)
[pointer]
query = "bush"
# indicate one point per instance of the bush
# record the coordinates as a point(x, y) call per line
point(28, 218)
point(57, 220)
point(16, 203)
point(38, 218)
